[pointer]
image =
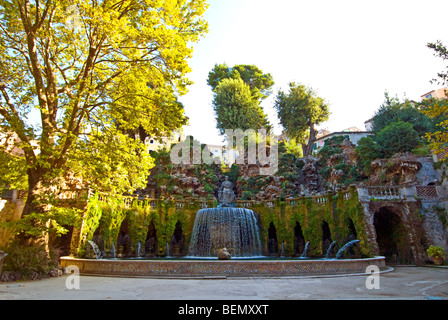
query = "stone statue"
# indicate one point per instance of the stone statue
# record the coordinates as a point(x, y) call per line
point(226, 194)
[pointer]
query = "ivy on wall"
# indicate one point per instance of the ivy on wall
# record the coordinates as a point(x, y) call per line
point(336, 210)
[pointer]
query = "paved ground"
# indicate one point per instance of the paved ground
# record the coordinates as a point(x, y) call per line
point(416, 283)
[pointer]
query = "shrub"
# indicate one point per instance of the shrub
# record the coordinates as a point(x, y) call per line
point(397, 137)
point(436, 252)
point(30, 261)
point(367, 151)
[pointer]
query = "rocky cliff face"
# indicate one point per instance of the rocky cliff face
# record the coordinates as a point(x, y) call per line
point(336, 166)
point(403, 169)
point(182, 181)
point(295, 177)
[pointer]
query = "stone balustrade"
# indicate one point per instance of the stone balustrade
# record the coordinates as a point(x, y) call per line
point(365, 193)
point(407, 193)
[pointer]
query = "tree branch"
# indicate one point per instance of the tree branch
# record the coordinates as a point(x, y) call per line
point(16, 124)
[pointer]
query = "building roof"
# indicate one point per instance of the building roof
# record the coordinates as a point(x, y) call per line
point(340, 133)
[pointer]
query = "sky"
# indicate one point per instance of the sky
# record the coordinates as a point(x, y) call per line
point(349, 52)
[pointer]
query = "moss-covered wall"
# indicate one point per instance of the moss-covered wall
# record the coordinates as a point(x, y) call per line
point(310, 213)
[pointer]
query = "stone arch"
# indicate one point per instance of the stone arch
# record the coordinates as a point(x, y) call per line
point(391, 235)
point(352, 233)
point(326, 236)
point(272, 240)
point(299, 240)
point(151, 247)
point(177, 240)
point(124, 239)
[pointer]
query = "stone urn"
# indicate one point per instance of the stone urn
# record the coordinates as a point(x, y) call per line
point(223, 254)
point(438, 260)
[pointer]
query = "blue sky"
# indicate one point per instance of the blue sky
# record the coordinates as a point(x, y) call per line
point(350, 52)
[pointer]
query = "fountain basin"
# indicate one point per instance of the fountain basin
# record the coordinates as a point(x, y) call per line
point(220, 268)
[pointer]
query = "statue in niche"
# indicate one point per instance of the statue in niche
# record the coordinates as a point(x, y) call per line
point(226, 194)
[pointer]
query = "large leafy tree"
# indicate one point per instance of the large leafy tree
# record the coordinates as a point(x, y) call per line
point(92, 71)
point(438, 109)
point(299, 111)
point(235, 108)
point(243, 79)
point(259, 83)
point(393, 110)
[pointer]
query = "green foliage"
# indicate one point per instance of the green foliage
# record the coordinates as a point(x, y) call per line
point(436, 251)
point(163, 171)
point(367, 151)
point(165, 215)
point(238, 92)
point(325, 172)
point(92, 217)
point(331, 147)
point(12, 171)
point(422, 151)
point(397, 137)
point(291, 146)
point(259, 83)
point(332, 150)
point(233, 173)
point(299, 111)
point(28, 260)
point(119, 67)
point(441, 51)
point(437, 111)
point(442, 214)
point(235, 108)
point(112, 162)
point(55, 220)
point(112, 216)
point(393, 110)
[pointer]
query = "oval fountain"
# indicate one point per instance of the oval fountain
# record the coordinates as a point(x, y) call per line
point(225, 227)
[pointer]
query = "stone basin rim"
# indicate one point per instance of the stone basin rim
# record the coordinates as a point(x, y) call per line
point(221, 268)
point(216, 260)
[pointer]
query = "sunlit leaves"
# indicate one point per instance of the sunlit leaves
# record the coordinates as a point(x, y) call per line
point(95, 70)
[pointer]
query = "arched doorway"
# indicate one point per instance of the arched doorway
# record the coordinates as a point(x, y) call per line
point(353, 251)
point(352, 234)
point(124, 240)
point(326, 237)
point(177, 241)
point(151, 240)
point(392, 237)
point(299, 240)
point(272, 240)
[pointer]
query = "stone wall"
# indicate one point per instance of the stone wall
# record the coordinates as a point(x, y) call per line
point(106, 219)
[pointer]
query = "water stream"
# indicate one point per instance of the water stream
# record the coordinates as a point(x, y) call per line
point(345, 247)
point(225, 227)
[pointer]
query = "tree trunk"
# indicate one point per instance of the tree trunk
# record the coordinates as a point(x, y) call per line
point(36, 202)
point(308, 148)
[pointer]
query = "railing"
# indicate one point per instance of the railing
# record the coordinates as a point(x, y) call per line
point(408, 193)
point(384, 192)
point(427, 192)
point(365, 193)
point(74, 194)
point(319, 199)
